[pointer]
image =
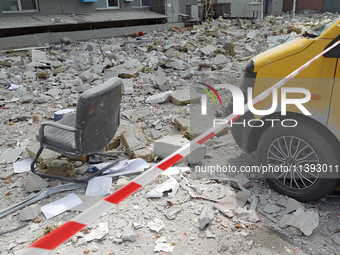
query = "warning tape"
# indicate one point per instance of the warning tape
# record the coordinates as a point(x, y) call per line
point(52, 240)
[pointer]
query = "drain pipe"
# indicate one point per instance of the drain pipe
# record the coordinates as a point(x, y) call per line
point(294, 8)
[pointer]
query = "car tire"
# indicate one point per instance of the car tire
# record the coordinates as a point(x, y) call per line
point(300, 148)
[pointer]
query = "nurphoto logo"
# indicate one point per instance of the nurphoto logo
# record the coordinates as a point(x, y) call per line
point(239, 106)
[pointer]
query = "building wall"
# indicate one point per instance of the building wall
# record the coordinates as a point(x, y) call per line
point(55, 7)
point(331, 6)
point(301, 5)
point(277, 7)
point(241, 8)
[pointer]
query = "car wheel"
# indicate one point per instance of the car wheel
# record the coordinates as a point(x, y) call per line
point(302, 162)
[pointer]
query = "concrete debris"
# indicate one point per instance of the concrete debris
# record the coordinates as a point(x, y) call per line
point(271, 209)
point(158, 98)
point(207, 215)
point(165, 146)
point(306, 221)
point(157, 225)
point(168, 187)
point(163, 247)
point(292, 205)
point(99, 232)
point(30, 212)
point(160, 112)
point(35, 183)
point(121, 182)
point(232, 201)
point(211, 192)
point(172, 212)
point(129, 235)
point(240, 179)
point(184, 97)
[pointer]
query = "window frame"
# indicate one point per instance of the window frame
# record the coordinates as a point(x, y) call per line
point(109, 7)
point(21, 10)
point(254, 2)
point(140, 6)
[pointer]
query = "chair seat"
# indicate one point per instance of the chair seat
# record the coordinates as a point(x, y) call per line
point(62, 139)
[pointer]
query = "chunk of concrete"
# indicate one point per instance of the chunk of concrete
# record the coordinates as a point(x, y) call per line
point(162, 82)
point(271, 208)
point(172, 212)
point(46, 154)
point(240, 179)
point(163, 247)
point(208, 50)
point(30, 212)
point(98, 233)
point(305, 221)
point(85, 76)
point(207, 215)
point(184, 97)
point(35, 183)
point(195, 124)
point(121, 183)
point(169, 144)
point(129, 235)
point(292, 205)
point(158, 98)
point(220, 59)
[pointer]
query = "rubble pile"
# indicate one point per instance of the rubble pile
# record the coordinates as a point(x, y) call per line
point(193, 210)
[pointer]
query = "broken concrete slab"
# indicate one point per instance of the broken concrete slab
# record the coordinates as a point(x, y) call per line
point(232, 201)
point(208, 50)
point(46, 154)
point(306, 221)
point(35, 183)
point(240, 179)
point(121, 182)
point(292, 205)
point(167, 145)
point(195, 124)
point(184, 97)
point(271, 209)
point(30, 212)
point(159, 98)
point(172, 212)
point(207, 215)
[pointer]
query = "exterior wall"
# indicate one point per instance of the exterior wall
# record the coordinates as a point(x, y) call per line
point(56, 7)
point(183, 5)
point(277, 7)
point(301, 5)
point(242, 8)
point(331, 6)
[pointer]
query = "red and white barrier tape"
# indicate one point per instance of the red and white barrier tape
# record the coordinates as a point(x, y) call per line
point(64, 232)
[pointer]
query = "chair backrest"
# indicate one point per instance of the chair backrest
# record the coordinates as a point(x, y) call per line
point(98, 115)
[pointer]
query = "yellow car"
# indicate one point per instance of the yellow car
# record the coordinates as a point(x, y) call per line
point(306, 147)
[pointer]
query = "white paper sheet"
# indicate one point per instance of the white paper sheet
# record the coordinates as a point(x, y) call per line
point(125, 165)
point(98, 186)
point(22, 166)
point(10, 156)
point(61, 205)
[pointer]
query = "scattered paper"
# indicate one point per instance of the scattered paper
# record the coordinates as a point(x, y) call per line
point(22, 166)
point(170, 185)
point(60, 206)
point(124, 165)
point(10, 156)
point(98, 186)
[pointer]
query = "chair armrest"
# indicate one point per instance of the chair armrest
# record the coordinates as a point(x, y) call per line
point(56, 125)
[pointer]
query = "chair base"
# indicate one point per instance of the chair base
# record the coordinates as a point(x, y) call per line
point(71, 179)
